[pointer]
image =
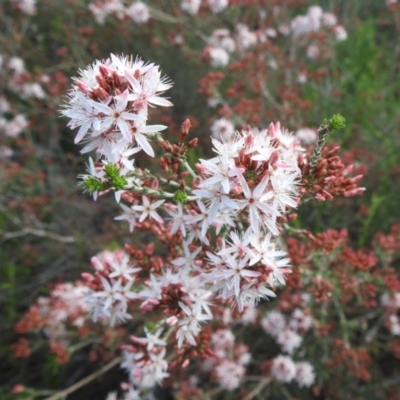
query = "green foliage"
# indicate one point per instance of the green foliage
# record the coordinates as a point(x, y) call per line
point(335, 123)
point(180, 196)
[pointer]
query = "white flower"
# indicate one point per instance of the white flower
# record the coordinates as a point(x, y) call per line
point(219, 57)
point(130, 215)
point(257, 208)
point(305, 375)
point(138, 132)
point(229, 374)
point(273, 323)
point(122, 267)
point(177, 218)
point(149, 209)
point(117, 116)
point(190, 324)
point(340, 33)
point(138, 12)
point(188, 260)
point(235, 272)
point(222, 128)
point(153, 340)
point(289, 340)
point(191, 6)
point(144, 89)
point(218, 5)
point(245, 37)
point(283, 369)
point(307, 135)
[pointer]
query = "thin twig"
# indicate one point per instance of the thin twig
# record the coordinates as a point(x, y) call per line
point(255, 392)
point(37, 232)
point(86, 380)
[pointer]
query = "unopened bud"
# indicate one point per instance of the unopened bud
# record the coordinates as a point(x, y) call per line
point(348, 169)
point(117, 80)
point(166, 145)
point(149, 249)
point(186, 125)
point(193, 143)
point(155, 184)
point(83, 87)
point(333, 151)
point(103, 70)
point(274, 157)
point(171, 321)
point(99, 93)
point(201, 168)
point(292, 216)
point(102, 83)
point(249, 140)
point(327, 195)
point(354, 192)
point(163, 164)
point(357, 178)
point(87, 277)
point(320, 173)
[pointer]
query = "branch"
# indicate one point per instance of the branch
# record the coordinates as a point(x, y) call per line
point(86, 380)
point(37, 232)
point(255, 392)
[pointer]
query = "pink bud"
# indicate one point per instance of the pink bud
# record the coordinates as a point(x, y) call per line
point(83, 87)
point(87, 277)
point(155, 184)
point(186, 126)
point(103, 70)
point(354, 192)
point(357, 178)
point(201, 168)
point(169, 206)
point(320, 197)
point(274, 157)
point(171, 321)
point(348, 169)
point(185, 363)
point(96, 264)
point(249, 140)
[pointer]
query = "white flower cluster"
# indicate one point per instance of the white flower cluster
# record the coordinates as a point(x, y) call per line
point(221, 44)
point(314, 20)
point(13, 73)
point(238, 195)
point(147, 368)
point(26, 6)
point(192, 7)
point(230, 360)
point(137, 11)
point(112, 292)
point(287, 333)
point(284, 370)
point(65, 305)
point(109, 103)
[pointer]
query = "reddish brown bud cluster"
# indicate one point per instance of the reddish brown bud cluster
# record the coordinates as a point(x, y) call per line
point(356, 361)
point(390, 242)
point(329, 178)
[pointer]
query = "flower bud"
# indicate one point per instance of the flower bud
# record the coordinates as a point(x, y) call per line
point(185, 127)
point(193, 143)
